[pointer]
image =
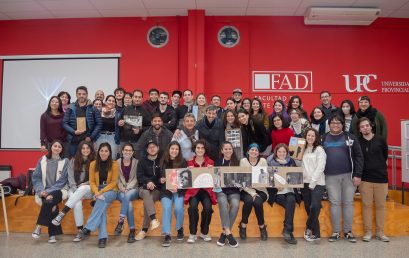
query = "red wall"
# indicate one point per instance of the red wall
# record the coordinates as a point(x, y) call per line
point(266, 44)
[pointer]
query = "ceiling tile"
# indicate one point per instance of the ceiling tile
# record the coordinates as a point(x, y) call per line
point(388, 5)
point(405, 7)
point(171, 4)
point(124, 13)
point(4, 17)
point(274, 3)
point(271, 11)
point(400, 14)
point(300, 11)
point(30, 15)
point(77, 14)
point(71, 5)
point(386, 13)
point(20, 6)
point(205, 4)
point(167, 12)
point(117, 4)
point(324, 3)
point(225, 11)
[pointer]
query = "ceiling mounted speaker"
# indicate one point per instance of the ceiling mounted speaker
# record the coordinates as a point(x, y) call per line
point(340, 16)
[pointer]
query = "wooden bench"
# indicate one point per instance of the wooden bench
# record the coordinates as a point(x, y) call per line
point(22, 218)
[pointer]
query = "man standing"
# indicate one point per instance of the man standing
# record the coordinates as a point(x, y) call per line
point(156, 133)
point(216, 100)
point(378, 121)
point(374, 185)
point(237, 95)
point(186, 107)
point(152, 103)
point(343, 172)
point(176, 94)
point(211, 130)
point(81, 120)
point(326, 105)
point(99, 94)
point(119, 94)
point(133, 120)
point(167, 112)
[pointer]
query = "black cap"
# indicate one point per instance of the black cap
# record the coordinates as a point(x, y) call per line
point(151, 142)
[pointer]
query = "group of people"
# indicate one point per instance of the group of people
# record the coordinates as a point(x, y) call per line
point(120, 147)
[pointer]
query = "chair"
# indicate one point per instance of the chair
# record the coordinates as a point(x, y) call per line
point(6, 222)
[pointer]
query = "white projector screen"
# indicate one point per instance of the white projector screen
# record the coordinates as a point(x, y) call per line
point(29, 84)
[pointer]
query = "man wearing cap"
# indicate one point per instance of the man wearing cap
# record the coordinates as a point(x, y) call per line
point(378, 121)
point(156, 133)
point(237, 95)
point(149, 179)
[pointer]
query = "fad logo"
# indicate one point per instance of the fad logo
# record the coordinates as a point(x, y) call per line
point(282, 81)
point(361, 82)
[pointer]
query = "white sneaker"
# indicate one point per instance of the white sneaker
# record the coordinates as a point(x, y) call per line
point(192, 239)
point(382, 238)
point(36, 233)
point(141, 235)
point(307, 234)
point(155, 224)
point(367, 237)
point(206, 238)
point(77, 238)
point(52, 240)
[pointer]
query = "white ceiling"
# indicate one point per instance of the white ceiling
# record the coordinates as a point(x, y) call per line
point(51, 9)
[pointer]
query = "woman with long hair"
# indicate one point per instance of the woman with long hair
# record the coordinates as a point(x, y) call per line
point(49, 182)
point(228, 198)
point(78, 181)
point(232, 132)
point(295, 103)
point(252, 131)
point(298, 123)
point(199, 106)
point(347, 112)
point(246, 104)
point(110, 129)
point(103, 179)
point(65, 98)
point(172, 158)
point(280, 131)
point(279, 108)
point(318, 121)
point(258, 113)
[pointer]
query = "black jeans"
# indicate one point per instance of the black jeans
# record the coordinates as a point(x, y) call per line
point(312, 202)
point(48, 211)
point(203, 197)
point(287, 201)
point(249, 203)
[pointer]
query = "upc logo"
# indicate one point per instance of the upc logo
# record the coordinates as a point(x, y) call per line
point(362, 81)
point(282, 81)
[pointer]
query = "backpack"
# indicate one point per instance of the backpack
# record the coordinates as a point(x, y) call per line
point(13, 184)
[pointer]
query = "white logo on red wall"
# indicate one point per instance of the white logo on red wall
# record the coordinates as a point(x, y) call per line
point(282, 81)
point(361, 82)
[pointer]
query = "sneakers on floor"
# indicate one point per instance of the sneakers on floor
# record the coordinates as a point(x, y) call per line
point(155, 224)
point(57, 220)
point(307, 233)
point(242, 232)
point(232, 241)
point(206, 237)
point(36, 233)
point(289, 238)
point(83, 234)
point(102, 243)
point(313, 238)
point(131, 236)
point(192, 239)
point(263, 233)
point(367, 237)
point(52, 240)
point(350, 237)
point(181, 235)
point(118, 229)
point(77, 237)
point(141, 235)
point(222, 239)
point(382, 238)
point(334, 237)
point(166, 241)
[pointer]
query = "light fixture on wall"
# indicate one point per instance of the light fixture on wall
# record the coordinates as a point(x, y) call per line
point(340, 16)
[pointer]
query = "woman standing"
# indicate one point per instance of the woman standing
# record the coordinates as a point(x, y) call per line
point(172, 159)
point(78, 181)
point(204, 195)
point(103, 179)
point(313, 163)
point(228, 199)
point(110, 131)
point(49, 181)
point(295, 103)
point(246, 104)
point(253, 197)
point(377, 119)
point(279, 109)
point(298, 123)
point(128, 190)
point(187, 136)
point(65, 98)
point(97, 103)
point(200, 105)
point(252, 131)
point(285, 197)
point(231, 104)
point(280, 131)
point(348, 113)
point(232, 132)
point(51, 125)
point(258, 113)
point(319, 121)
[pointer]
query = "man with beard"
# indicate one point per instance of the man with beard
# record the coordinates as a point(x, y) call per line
point(152, 103)
point(167, 112)
point(186, 107)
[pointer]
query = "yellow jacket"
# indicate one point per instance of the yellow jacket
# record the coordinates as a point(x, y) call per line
point(112, 178)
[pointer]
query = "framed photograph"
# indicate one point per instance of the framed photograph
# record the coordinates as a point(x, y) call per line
point(234, 137)
point(135, 121)
point(296, 147)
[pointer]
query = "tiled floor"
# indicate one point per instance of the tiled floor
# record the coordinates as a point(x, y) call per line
point(22, 245)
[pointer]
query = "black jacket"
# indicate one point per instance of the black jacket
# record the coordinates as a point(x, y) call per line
point(214, 136)
point(162, 140)
point(148, 171)
point(375, 153)
point(169, 118)
point(126, 132)
point(254, 132)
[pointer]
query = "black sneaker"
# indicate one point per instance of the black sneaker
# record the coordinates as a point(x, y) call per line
point(350, 237)
point(263, 233)
point(312, 238)
point(180, 236)
point(222, 239)
point(102, 242)
point(242, 232)
point(232, 242)
point(334, 237)
point(131, 236)
point(289, 238)
point(118, 229)
point(83, 234)
point(166, 241)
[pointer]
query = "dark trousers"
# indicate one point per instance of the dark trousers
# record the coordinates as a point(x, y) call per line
point(48, 211)
point(312, 202)
point(287, 201)
point(203, 197)
point(249, 203)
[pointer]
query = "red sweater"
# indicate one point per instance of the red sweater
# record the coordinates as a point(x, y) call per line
point(280, 136)
point(51, 128)
point(193, 191)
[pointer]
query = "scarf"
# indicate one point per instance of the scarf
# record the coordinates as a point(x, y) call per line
point(369, 113)
point(190, 134)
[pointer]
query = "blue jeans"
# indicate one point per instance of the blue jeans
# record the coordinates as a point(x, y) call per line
point(98, 217)
point(126, 205)
point(167, 212)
